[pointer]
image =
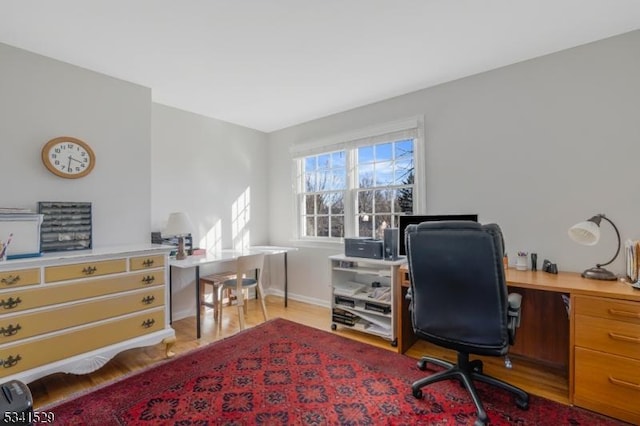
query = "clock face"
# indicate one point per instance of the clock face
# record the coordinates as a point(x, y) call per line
point(68, 157)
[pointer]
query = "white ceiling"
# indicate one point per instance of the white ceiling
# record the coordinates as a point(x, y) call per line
point(270, 64)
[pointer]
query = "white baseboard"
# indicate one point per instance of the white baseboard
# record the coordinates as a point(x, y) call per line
point(299, 298)
point(184, 313)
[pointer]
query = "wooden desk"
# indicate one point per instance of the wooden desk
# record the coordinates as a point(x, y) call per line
point(591, 336)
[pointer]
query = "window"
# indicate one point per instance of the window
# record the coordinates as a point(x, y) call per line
point(324, 187)
point(385, 185)
point(358, 187)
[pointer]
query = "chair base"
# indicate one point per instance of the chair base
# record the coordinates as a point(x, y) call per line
point(466, 372)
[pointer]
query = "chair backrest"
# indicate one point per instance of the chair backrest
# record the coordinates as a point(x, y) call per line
point(248, 263)
point(458, 289)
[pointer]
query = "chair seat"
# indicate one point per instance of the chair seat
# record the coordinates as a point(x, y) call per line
point(246, 282)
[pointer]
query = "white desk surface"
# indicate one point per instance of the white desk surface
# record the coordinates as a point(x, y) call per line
point(227, 255)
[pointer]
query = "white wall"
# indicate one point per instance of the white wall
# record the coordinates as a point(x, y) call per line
point(535, 147)
point(195, 164)
point(210, 169)
point(41, 98)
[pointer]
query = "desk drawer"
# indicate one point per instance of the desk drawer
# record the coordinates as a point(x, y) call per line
point(609, 384)
point(20, 300)
point(24, 356)
point(146, 262)
point(613, 309)
point(84, 270)
point(16, 327)
point(18, 278)
point(616, 337)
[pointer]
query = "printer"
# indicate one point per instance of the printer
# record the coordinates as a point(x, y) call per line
point(363, 247)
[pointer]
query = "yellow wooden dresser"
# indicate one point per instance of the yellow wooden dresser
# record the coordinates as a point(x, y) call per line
point(73, 312)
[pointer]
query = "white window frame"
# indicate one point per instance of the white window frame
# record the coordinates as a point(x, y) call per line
point(348, 141)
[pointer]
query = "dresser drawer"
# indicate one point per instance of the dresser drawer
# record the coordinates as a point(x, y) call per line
point(20, 277)
point(84, 270)
point(609, 384)
point(24, 356)
point(146, 262)
point(16, 327)
point(616, 337)
point(20, 300)
point(620, 310)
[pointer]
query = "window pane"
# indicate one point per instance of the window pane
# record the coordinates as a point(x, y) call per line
point(384, 173)
point(404, 173)
point(321, 204)
point(365, 226)
point(338, 159)
point(384, 151)
point(338, 179)
point(365, 154)
point(365, 176)
point(310, 182)
point(323, 161)
point(405, 200)
point(337, 203)
point(384, 200)
point(365, 202)
point(309, 164)
point(323, 226)
point(337, 226)
point(309, 204)
point(381, 223)
point(404, 150)
point(310, 230)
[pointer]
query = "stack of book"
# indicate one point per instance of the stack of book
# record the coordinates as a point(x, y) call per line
point(632, 258)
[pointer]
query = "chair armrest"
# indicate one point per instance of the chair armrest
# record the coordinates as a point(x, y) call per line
point(515, 300)
point(513, 313)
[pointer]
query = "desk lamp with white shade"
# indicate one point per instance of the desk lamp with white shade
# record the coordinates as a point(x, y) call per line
point(179, 225)
point(588, 233)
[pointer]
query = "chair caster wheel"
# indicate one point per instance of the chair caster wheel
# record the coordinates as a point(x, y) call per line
point(522, 404)
point(422, 364)
point(417, 393)
point(334, 327)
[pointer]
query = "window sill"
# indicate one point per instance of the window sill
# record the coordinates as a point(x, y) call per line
point(328, 245)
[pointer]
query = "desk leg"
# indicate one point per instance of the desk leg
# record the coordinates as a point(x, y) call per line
point(197, 302)
point(286, 280)
point(170, 295)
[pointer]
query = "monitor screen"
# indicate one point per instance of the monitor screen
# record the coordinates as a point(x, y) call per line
point(404, 221)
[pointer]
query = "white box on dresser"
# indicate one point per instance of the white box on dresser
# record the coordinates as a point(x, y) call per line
point(72, 312)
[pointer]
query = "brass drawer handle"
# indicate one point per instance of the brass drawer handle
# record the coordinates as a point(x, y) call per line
point(148, 323)
point(11, 330)
point(619, 382)
point(624, 338)
point(147, 263)
point(11, 361)
point(148, 279)
point(10, 303)
point(148, 300)
point(11, 279)
point(89, 270)
point(625, 314)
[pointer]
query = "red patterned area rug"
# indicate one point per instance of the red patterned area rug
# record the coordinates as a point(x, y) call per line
point(283, 373)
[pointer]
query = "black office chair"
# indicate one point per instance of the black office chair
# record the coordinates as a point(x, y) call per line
point(459, 301)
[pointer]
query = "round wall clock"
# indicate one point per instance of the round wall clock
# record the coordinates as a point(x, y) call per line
point(68, 157)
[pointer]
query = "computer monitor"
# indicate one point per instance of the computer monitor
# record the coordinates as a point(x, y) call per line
point(404, 221)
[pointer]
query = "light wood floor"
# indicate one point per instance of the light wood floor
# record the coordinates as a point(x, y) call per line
point(57, 387)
